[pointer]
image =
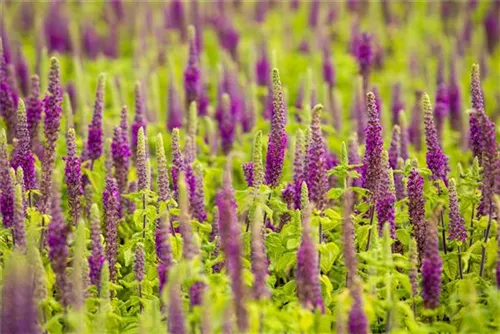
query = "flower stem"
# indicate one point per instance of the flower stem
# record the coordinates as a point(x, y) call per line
point(144, 216)
point(372, 213)
point(472, 226)
point(483, 250)
point(460, 270)
point(443, 231)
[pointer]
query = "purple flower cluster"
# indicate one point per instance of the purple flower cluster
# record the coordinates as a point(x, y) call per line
point(73, 177)
point(96, 259)
point(95, 135)
point(120, 151)
point(163, 250)
point(456, 228)
point(437, 161)
point(432, 268)
point(416, 209)
point(385, 198)
point(278, 138)
point(58, 254)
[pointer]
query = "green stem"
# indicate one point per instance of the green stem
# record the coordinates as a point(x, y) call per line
point(372, 213)
point(472, 226)
point(144, 216)
point(443, 231)
point(460, 270)
point(486, 236)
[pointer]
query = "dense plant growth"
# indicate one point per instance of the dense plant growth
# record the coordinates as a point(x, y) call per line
point(238, 166)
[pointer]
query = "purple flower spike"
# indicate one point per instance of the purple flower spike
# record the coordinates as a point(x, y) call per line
point(174, 107)
point(139, 263)
point(415, 129)
point(437, 161)
point(357, 323)
point(121, 153)
point(52, 122)
point(404, 139)
point(111, 204)
point(262, 67)
point(23, 72)
point(317, 178)
point(163, 249)
point(96, 259)
point(374, 147)
point(432, 268)
point(230, 234)
point(178, 164)
point(58, 255)
point(259, 257)
point(456, 228)
point(192, 74)
point(385, 198)
point(73, 177)
point(196, 293)
point(189, 249)
point(416, 209)
point(398, 181)
point(307, 276)
point(328, 70)
point(143, 181)
point(441, 108)
point(19, 307)
point(6, 184)
point(395, 147)
point(95, 136)
point(277, 139)
point(176, 317)
point(226, 123)
point(34, 109)
point(22, 155)
point(476, 136)
point(248, 173)
point(194, 177)
point(397, 103)
point(364, 56)
point(161, 162)
point(140, 115)
point(454, 98)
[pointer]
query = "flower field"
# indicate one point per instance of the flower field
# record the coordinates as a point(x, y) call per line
point(249, 166)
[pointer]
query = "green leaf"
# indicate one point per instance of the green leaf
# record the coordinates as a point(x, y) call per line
point(329, 253)
point(403, 236)
point(335, 193)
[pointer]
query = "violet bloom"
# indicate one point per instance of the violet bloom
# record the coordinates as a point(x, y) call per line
point(73, 177)
point(490, 165)
point(307, 275)
point(456, 228)
point(19, 306)
point(52, 122)
point(432, 268)
point(176, 318)
point(140, 115)
point(94, 139)
point(189, 248)
point(178, 164)
point(357, 323)
point(121, 153)
point(174, 107)
point(228, 37)
point(395, 147)
point(385, 198)
point(56, 28)
point(437, 161)
point(248, 173)
point(348, 234)
point(111, 204)
point(328, 69)
point(416, 209)
point(196, 293)
point(194, 178)
point(163, 250)
point(34, 108)
point(230, 234)
point(298, 168)
point(22, 155)
point(262, 67)
point(139, 263)
point(259, 258)
point(316, 175)
point(58, 255)
point(227, 126)
point(492, 27)
point(278, 138)
point(22, 71)
point(374, 147)
point(161, 162)
point(441, 108)
point(397, 102)
point(454, 98)
point(192, 71)
point(364, 56)
point(314, 13)
point(415, 129)
point(398, 181)
point(475, 134)
point(404, 140)
point(96, 258)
